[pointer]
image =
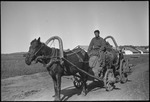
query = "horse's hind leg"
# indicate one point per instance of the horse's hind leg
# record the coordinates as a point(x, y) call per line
point(84, 78)
point(84, 87)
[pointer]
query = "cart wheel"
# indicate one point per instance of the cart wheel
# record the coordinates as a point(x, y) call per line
point(109, 80)
point(126, 66)
point(128, 69)
point(123, 74)
point(77, 82)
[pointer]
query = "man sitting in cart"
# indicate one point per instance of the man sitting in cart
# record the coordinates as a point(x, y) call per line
point(97, 47)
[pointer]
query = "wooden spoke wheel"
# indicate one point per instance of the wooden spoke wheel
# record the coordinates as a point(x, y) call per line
point(77, 82)
point(109, 80)
point(127, 67)
point(123, 74)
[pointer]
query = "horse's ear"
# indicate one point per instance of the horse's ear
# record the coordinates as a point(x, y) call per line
point(39, 39)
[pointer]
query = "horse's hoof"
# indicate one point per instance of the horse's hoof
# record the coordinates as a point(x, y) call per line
point(83, 93)
point(57, 99)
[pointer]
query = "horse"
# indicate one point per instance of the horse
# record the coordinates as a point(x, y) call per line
point(40, 52)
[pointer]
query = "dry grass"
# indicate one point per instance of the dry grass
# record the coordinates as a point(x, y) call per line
point(14, 65)
point(137, 59)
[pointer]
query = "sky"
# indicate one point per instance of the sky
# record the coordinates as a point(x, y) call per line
point(74, 22)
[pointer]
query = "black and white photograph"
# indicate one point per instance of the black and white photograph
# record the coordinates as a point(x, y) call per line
point(74, 50)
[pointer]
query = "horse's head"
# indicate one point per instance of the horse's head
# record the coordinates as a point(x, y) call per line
point(34, 51)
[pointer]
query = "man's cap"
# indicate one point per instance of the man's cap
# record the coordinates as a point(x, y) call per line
point(97, 31)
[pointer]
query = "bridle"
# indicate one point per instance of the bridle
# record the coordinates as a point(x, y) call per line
point(35, 54)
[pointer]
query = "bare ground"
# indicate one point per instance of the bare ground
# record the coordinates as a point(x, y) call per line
point(39, 87)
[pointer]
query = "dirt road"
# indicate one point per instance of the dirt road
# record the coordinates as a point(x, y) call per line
point(39, 87)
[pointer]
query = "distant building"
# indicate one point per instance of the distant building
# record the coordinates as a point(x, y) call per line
point(127, 52)
point(147, 49)
point(142, 50)
point(130, 50)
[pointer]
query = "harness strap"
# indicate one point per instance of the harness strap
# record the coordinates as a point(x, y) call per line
point(38, 49)
point(80, 59)
point(69, 54)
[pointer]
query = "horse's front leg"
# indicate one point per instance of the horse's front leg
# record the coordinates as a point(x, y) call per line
point(58, 88)
point(55, 86)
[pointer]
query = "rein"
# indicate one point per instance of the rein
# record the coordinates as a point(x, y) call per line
point(76, 53)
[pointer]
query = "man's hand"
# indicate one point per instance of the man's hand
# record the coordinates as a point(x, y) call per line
point(103, 48)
